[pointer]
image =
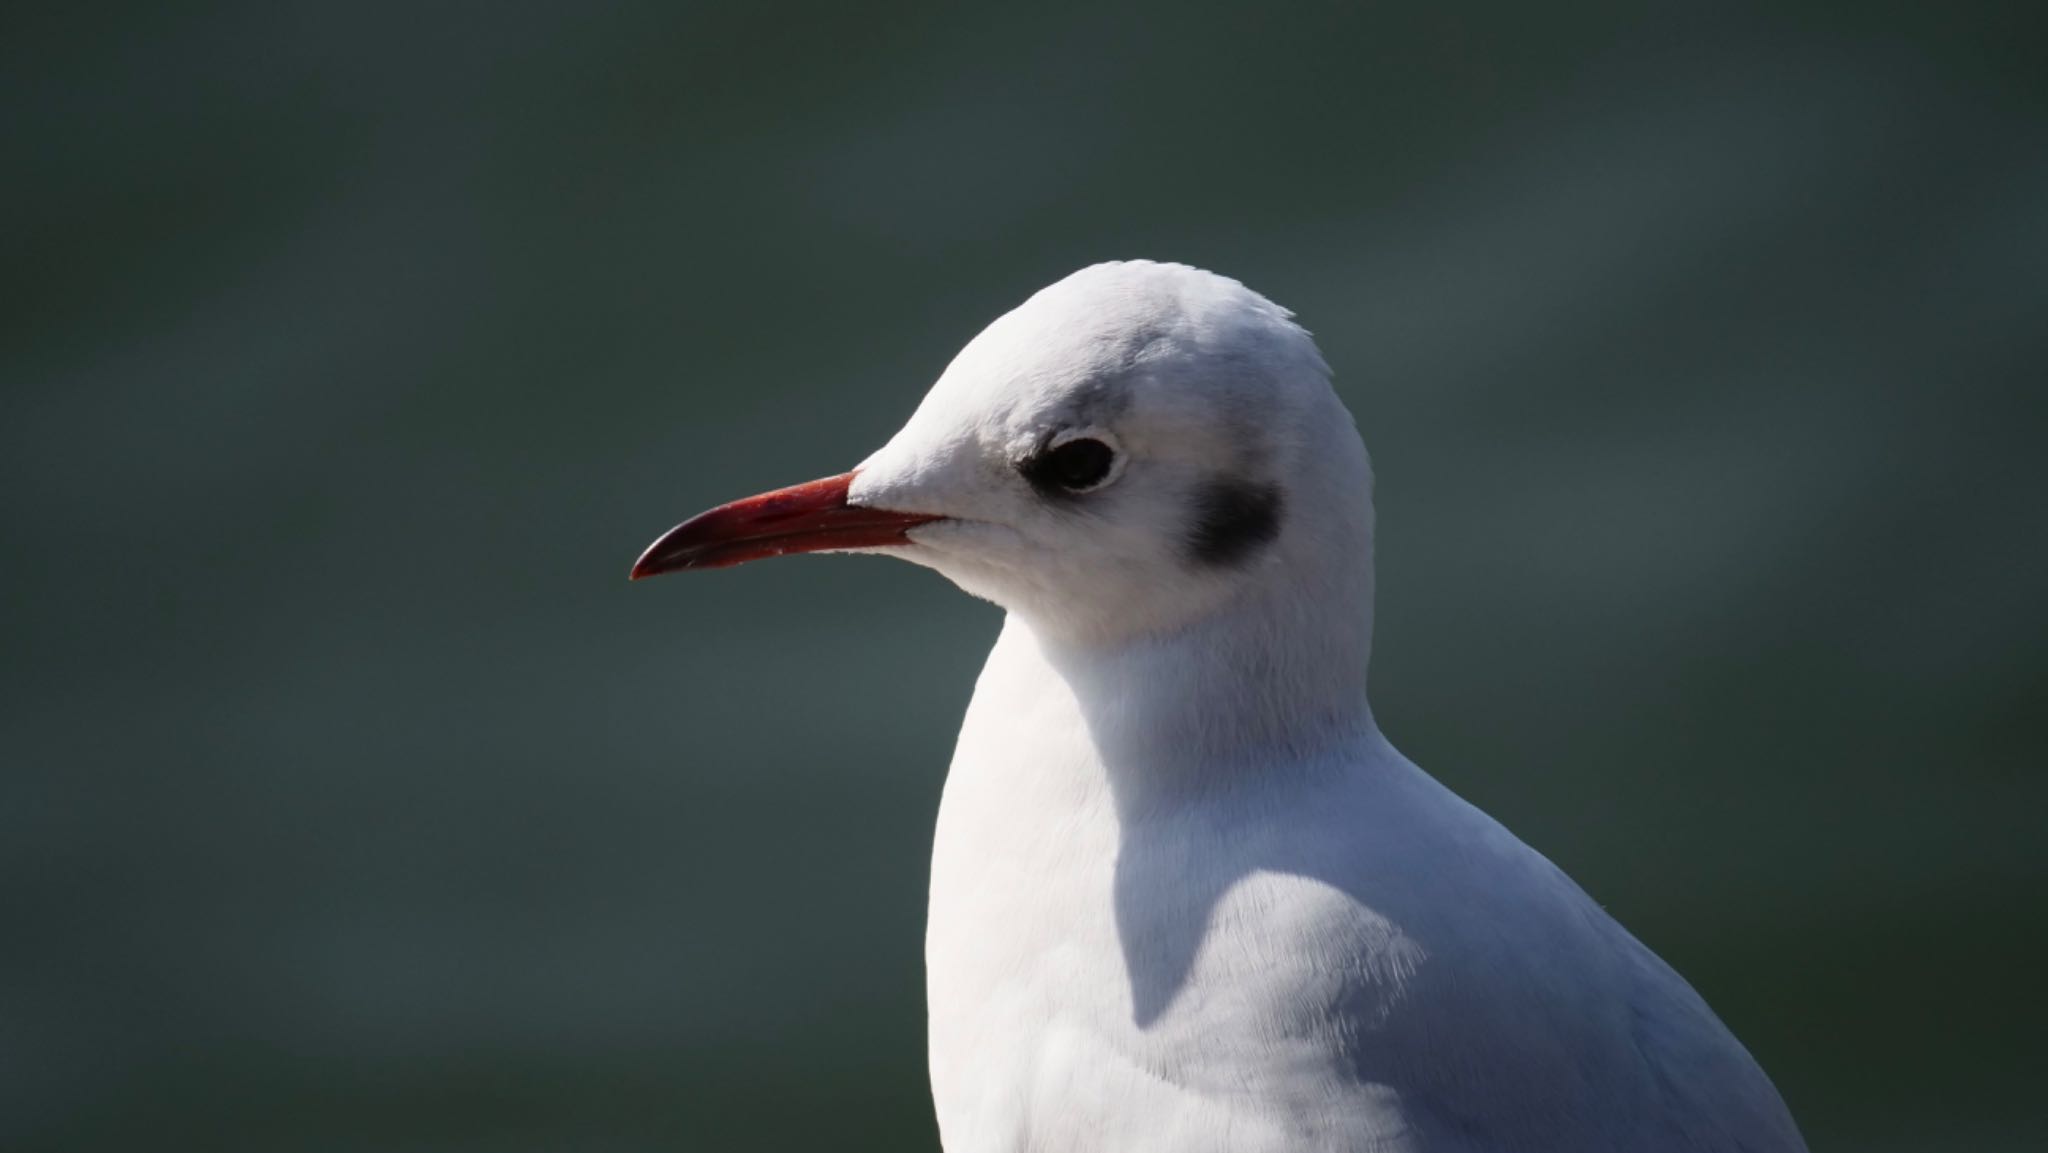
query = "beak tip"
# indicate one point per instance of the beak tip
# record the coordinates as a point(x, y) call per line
point(649, 566)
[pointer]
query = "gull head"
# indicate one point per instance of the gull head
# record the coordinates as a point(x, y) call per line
point(1129, 451)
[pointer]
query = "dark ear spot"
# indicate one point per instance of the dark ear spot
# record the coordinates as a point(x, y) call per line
point(1233, 519)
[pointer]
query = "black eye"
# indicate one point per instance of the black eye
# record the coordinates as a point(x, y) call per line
point(1075, 466)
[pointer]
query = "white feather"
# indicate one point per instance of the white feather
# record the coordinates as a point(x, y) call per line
point(1184, 894)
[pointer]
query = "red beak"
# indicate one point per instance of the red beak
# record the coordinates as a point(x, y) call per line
point(809, 517)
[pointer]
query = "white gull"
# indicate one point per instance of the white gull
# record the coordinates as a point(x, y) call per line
point(1185, 896)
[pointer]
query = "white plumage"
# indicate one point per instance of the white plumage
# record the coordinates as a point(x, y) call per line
point(1185, 896)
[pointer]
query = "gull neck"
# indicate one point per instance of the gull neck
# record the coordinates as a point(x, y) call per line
point(1276, 678)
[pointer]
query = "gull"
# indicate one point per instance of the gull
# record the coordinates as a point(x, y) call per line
point(1185, 896)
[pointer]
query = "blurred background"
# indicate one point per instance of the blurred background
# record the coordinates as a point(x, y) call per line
point(351, 799)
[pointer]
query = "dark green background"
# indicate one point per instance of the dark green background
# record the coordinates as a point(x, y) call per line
point(352, 800)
